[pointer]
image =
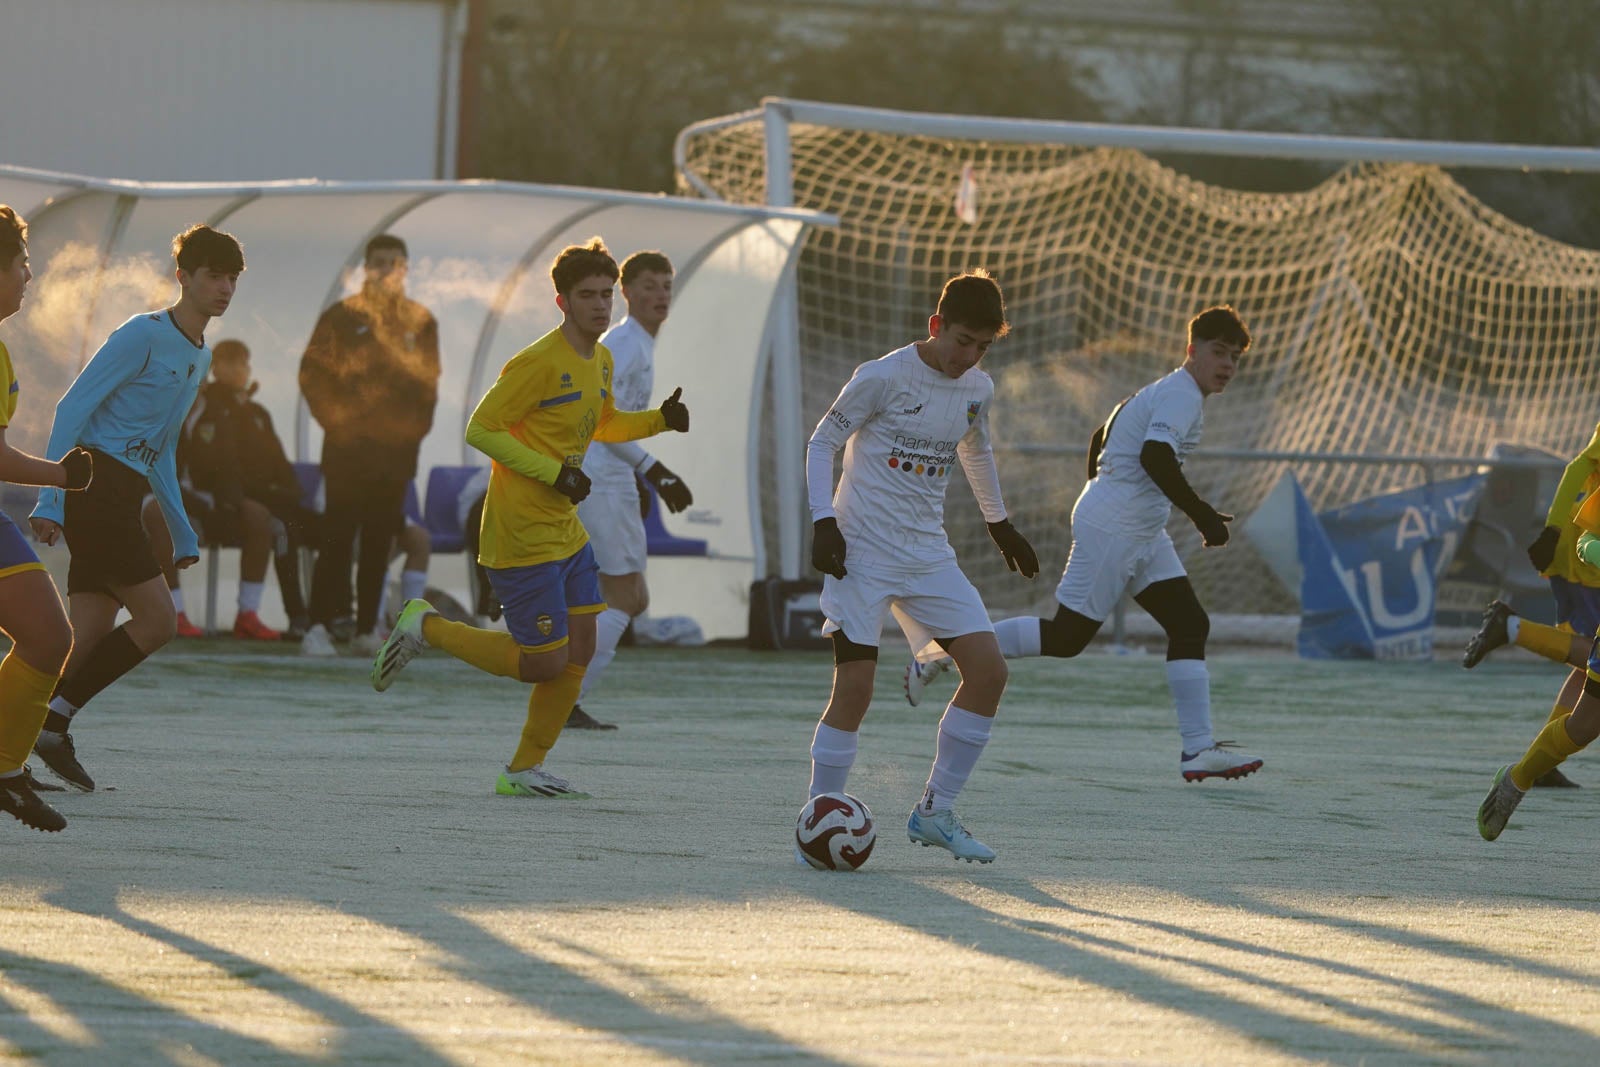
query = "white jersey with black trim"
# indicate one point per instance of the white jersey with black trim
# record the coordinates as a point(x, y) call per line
point(1121, 497)
point(902, 426)
point(610, 465)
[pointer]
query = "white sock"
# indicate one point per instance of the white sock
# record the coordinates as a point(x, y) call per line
point(833, 753)
point(60, 706)
point(1513, 624)
point(177, 599)
point(250, 596)
point(962, 735)
point(1018, 637)
point(609, 628)
point(1190, 683)
point(412, 584)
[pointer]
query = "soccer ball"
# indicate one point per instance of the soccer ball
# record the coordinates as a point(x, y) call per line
point(835, 832)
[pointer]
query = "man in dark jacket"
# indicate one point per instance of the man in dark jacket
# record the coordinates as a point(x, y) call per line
point(370, 376)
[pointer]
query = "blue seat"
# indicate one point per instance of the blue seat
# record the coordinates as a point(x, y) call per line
point(441, 506)
point(309, 475)
point(658, 541)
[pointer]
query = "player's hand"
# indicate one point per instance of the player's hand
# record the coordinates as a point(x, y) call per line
point(675, 412)
point(45, 531)
point(1542, 552)
point(1213, 526)
point(1019, 555)
point(572, 483)
point(186, 562)
point(674, 494)
point(77, 469)
point(827, 547)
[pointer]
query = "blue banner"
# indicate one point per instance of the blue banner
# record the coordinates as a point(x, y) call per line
point(1369, 569)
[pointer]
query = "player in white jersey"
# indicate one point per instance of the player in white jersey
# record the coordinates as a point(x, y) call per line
point(904, 421)
point(1120, 542)
point(614, 511)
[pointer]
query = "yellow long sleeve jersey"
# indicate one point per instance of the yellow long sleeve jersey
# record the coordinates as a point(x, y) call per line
point(547, 405)
point(1581, 478)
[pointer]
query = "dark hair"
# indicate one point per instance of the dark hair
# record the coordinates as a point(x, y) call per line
point(201, 246)
point(644, 262)
point(973, 299)
point(1220, 323)
point(229, 349)
point(383, 241)
point(13, 235)
point(577, 262)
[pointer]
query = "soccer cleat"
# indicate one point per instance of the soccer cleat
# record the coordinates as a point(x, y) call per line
point(61, 756)
point(17, 797)
point(582, 720)
point(1554, 779)
point(941, 829)
point(405, 643)
point(247, 626)
point(919, 674)
point(1496, 809)
point(1218, 761)
point(1491, 634)
point(535, 782)
point(318, 643)
point(187, 628)
point(367, 644)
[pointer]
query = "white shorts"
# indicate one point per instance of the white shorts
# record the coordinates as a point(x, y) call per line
point(1103, 565)
point(615, 530)
point(940, 602)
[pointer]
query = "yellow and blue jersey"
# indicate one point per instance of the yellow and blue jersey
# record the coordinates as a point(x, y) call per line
point(1581, 480)
point(541, 413)
point(8, 380)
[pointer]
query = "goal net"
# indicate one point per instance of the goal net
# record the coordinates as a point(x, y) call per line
point(1394, 315)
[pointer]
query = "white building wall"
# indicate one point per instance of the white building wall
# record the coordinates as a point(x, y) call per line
point(174, 90)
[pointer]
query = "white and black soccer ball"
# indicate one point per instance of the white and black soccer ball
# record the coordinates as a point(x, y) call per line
point(835, 832)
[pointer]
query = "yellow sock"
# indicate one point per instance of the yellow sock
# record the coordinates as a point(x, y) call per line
point(1558, 712)
point(1547, 641)
point(24, 702)
point(549, 706)
point(1552, 746)
point(490, 651)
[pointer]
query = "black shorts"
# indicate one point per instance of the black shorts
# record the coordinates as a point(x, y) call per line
point(105, 532)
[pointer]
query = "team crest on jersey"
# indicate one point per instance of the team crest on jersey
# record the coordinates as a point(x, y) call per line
point(566, 379)
point(972, 411)
point(545, 624)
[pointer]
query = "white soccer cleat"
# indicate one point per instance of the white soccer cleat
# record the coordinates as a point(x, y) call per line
point(318, 643)
point(919, 674)
point(536, 782)
point(941, 829)
point(1221, 760)
point(405, 643)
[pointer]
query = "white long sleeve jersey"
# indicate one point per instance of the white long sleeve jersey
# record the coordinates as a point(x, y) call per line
point(611, 464)
point(902, 426)
point(1121, 497)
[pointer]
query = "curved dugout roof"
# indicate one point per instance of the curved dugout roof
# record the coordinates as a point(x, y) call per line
point(480, 255)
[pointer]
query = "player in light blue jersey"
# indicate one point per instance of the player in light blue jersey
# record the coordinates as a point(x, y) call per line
point(127, 408)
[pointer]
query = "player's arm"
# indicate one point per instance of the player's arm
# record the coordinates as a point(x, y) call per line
point(20, 468)
point(975, 450)
point(512, 396)
point(1542, 553)
point(115, 364)
point(858, 403)
point(1160, 462)
point(320, 374)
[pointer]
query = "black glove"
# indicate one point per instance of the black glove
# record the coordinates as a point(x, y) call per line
point(1212, 524)
point(1542, 552)
point(1015, 548)
point(674, 494)
point(78, 467)
point(645, 497)
point(675, 412)
point(572, 483)
point(827, 547)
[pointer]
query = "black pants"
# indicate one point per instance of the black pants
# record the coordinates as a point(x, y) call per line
point(373, 503)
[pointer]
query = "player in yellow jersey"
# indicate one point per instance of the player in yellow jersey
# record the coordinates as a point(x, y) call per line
point(30, 607)
point(1574, 583)
point(535, 423)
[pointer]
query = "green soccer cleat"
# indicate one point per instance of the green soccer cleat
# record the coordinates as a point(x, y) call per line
point(405, 644)
point(1496, 809)
point(536, 782)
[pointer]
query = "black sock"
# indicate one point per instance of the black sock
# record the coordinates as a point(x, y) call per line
point(113, 657)
point(56, 723)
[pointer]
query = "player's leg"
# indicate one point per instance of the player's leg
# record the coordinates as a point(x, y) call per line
point(1566, 642)
point(1170, 599)
point(255, 534)
point(616, 530)
point(32, 617)
point(853, 611)
point(417, 548)
point(298, 532)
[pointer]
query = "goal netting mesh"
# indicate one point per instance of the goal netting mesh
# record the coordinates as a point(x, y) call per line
point(1393, 314)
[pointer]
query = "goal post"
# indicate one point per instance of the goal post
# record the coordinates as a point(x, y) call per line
point(1394, 313)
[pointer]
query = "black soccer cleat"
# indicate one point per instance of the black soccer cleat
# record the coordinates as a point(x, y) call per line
point(18, 797)
point(582, 720)
point(1490, 636)
point(59, 754)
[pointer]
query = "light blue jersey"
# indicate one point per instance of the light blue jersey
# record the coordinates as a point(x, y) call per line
point(129, 403)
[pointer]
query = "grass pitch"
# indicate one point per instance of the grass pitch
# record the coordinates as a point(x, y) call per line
point(286, 867)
